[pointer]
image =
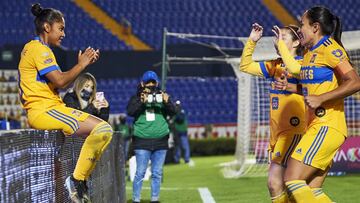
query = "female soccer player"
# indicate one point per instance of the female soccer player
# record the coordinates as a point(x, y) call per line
point(39, 79)
point(287, 110)
point(327, 78)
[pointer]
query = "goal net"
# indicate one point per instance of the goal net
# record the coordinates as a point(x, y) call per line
point(251, 155)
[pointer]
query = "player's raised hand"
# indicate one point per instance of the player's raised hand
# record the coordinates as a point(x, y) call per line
point(278, 34)
point(256, 32)
point(96, 56)
point(88, 57)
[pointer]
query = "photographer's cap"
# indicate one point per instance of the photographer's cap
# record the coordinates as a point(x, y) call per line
point(149, 75)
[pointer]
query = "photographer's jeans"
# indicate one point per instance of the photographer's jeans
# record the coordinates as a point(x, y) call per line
point(182, 145)
point(157, 162)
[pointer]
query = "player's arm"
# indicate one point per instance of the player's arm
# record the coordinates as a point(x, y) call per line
point(336, 57)
point(247, 64)
point(349, 85)
point(63, 79)
point(282, 83)
point(292, 65)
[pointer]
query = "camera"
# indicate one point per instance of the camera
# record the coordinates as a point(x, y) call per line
point(154, 95)
point(154, 98)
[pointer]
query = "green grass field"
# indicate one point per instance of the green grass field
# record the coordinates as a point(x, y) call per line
point(181, 183)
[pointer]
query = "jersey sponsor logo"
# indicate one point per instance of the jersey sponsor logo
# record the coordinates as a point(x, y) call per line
point(49, 60)
point(316, 74)
point(313, 57)
point(320, 112)
point(294, 121)
point(337, 53)
point(299, 151)
point(275, 103)
point(307, 74)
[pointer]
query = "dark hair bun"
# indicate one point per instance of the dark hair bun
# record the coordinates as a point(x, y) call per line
point(36, 9)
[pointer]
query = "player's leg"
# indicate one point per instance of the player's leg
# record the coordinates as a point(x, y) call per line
point(316, 183)
point(276, 183)
point(283, 148)
point(97, 134)
point(295, 178)
point(314, 153)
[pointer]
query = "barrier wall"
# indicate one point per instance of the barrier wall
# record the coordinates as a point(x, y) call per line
point(34, 165)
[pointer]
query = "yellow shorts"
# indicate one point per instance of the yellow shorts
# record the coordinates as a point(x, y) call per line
point(284, 146)
point(318, 146)
point(58, 118)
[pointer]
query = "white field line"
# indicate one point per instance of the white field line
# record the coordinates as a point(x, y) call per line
point(205, 195)
point(165, 188)
point(204, 192)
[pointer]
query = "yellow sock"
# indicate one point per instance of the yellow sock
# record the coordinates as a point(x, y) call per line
point(282, 198)
point(94, 145)
point(98, 156)
point(300, 191)
point(320, 196)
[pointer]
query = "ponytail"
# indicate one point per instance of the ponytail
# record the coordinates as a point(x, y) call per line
point(337, 30)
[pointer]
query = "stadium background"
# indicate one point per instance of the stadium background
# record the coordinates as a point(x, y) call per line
point(130, 37)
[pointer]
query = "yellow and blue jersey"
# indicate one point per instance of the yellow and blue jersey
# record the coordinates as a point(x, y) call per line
point(37, 93)
point(318, 76)
point(287, 111)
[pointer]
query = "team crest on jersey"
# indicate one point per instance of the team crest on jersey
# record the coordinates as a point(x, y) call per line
point(275, 103)
point(313, 57)
point(294, 121)
point(337, 53)
point(320, 112)
point(77, 113)
point(45, 54)
point(49, 60)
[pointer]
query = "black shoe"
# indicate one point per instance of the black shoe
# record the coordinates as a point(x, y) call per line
point(78, 190)
point(135, 202)
point(154, 202)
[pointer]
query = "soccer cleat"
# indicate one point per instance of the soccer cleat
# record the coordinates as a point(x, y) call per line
point(78, 190)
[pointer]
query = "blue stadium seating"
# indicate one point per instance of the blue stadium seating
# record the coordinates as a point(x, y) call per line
point(347, 10)
point(218, 17)
point(206, 100)
point(148, 18)
point(81, 31)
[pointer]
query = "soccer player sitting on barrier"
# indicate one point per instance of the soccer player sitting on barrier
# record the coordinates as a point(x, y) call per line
point(39, 79)
point(83, 96)
point(150, 107)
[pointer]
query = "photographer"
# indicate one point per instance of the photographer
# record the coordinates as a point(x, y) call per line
point(150, 107)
